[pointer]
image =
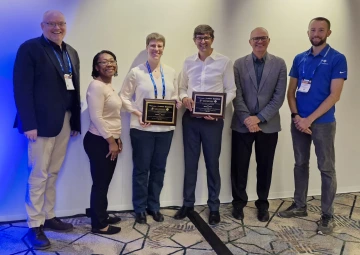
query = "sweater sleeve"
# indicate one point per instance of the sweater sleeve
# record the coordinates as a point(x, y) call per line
point(95, 99)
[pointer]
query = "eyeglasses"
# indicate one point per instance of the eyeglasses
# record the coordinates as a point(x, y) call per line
point(260, 38)
point(205, 38)
point(53, 24)
point(105, 63)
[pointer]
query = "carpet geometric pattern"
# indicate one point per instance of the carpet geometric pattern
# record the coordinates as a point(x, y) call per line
point(277, 236)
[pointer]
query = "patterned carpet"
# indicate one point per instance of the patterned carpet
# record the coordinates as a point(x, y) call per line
point(278, 236)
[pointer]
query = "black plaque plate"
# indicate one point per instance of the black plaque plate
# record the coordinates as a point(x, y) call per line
point(209, 104)
point(159, 112)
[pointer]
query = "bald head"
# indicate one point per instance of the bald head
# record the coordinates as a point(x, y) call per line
point(54, 26)
point(52, 13)
point(259, 41)
point(259, 30)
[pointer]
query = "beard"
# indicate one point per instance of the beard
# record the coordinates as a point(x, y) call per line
point(321, 42)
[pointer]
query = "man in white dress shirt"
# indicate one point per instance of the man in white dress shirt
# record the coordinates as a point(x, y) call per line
point(206, 71)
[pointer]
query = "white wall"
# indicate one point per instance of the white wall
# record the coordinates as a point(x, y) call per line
point(121, 26)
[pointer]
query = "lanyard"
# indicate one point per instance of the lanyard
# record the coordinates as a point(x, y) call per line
point(305, 59)
point(58, 58)
point(152, 79)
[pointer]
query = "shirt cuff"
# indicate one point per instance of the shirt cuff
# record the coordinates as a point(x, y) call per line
point(182, 97)
point(261, 118)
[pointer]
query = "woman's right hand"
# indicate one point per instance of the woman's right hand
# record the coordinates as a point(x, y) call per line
point(113, 151)
point(188, 103)
point(142, 124)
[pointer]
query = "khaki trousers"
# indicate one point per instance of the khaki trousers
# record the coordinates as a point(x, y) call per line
point(46, 156)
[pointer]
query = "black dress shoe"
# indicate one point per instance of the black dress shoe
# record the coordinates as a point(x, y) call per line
point(38, 239)
point(238, 213)
point(113, 220)
point(56, 224)
point(88, 212)
point(263, 215)
point(214, 218)
point(157, 215)
point(140, 218)
point(183, 212)
point(110, 231)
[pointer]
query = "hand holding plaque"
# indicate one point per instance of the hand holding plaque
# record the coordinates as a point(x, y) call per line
point(209, 104)
point(159, 112)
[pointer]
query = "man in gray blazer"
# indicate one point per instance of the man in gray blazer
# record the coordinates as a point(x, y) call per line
point(261, 85)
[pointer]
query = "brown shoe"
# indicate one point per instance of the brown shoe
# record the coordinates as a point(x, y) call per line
point(38, 239)
point(56, 224)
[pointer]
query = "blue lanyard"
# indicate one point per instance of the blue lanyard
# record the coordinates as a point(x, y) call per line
point(58, 58)
point(152, 79)
point(305, 59)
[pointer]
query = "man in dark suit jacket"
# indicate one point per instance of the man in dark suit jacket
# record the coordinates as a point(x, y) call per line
point(47, 97)
point(261, 85)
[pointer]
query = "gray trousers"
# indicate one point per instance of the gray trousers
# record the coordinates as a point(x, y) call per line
point(323, 136)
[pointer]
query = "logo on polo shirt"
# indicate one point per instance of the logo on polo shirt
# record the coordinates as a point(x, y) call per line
point(324, 62)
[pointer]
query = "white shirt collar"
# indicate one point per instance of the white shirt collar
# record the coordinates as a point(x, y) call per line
point(213, 55)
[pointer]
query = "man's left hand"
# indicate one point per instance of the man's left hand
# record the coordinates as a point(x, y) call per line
point(302, 124)
point(251, 121)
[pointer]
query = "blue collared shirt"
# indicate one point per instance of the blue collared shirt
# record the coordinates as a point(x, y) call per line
point(259, 68)
point(332, 66)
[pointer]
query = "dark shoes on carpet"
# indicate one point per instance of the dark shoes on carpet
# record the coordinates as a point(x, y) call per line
point(263, 215)
point(326, 225)
point(110, 231)
point(140, 218)
point(38, 239)
point(183, 212)
point(109, 220)
point(293, 211)
point(238, 213)
point(113, 220)
point(56, 224)
point(157, 215)
point(214, 217)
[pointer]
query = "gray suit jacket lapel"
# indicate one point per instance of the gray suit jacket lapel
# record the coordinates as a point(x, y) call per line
point(251, 70)
point(267, 68)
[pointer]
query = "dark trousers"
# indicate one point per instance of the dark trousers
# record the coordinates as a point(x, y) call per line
point(197, 131)
point(323, 137)
point(265, 145)
point(150, 152)
point(102, 170)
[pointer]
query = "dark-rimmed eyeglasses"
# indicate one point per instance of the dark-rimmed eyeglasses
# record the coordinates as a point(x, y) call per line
point(53, 24)
point(105, 63)
point(205, 38)
point(260, 38)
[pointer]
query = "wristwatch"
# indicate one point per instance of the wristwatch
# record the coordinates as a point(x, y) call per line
point(293, 115)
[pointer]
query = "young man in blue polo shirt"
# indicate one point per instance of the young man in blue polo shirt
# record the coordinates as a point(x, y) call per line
point(316, 81)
